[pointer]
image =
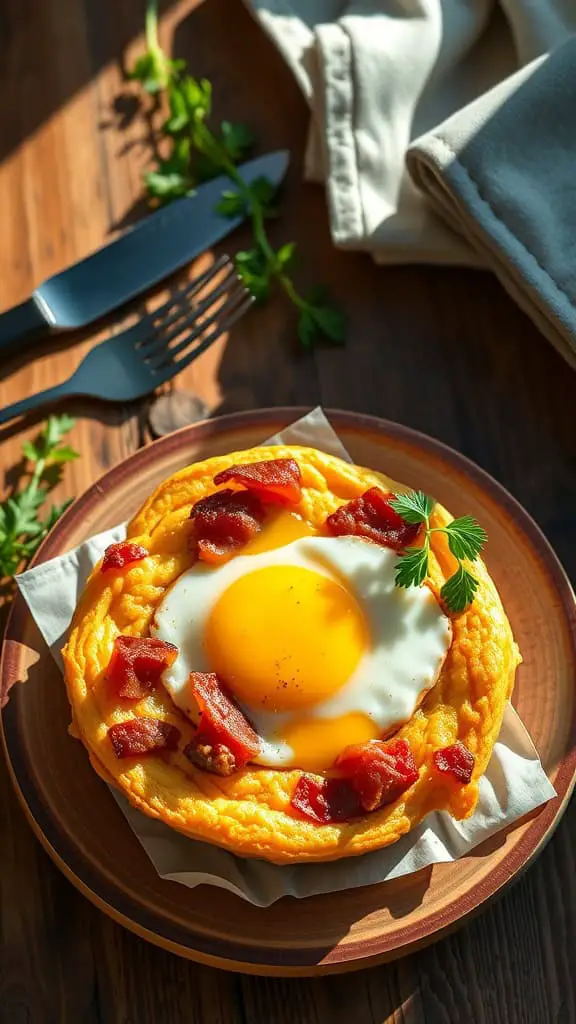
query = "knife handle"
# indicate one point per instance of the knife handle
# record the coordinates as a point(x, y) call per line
point(23, 321)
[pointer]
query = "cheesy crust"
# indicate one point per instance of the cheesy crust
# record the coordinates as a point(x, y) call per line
point(249, 813)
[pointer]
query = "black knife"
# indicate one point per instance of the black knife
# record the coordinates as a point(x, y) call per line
point(139, 258)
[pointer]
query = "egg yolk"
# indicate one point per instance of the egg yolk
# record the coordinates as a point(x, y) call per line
point(285, 637)
point(316, 742)
point(281, 528)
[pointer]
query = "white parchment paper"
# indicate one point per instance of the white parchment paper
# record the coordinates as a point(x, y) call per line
point(514, 784)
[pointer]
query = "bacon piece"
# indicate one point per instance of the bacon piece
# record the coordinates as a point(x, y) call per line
point(456, 761)
point(143, 736)
point(276, 481)
point(225, 741)
point(326, 801)
point(117, 556)
point(372, 516)
point(223, 522)
point(374, 774)
point(379, 772)
point(137, 663)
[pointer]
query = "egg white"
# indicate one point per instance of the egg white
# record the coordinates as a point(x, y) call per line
point(409, 634)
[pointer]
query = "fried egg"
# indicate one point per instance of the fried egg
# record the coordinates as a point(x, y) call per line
point(250, 813)
point(313, 639)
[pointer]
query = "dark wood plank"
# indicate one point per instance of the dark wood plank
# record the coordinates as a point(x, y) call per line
point(444, 351)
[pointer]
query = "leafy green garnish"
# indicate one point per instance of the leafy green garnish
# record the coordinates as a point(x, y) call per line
point(21, 528)
point(320, 319)
point(412, 568)
point(466, 538)
point(196, 153)
point(458, 592)
point(414, 507)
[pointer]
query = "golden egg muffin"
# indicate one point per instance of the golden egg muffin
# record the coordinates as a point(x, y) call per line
point(250, 812)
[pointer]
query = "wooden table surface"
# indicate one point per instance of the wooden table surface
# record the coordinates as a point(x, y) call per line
point(442, 350)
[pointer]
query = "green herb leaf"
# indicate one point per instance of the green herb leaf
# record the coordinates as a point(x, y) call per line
point(64, 453)
point(56, 428)
point(251, 259)
point(30, 451)
point(21, 512)
point(197, 96)
point(412, 567)
point(149, 73)
point(262, 194)
point(232, 204)
point(285, 255)
point(21, 529)
point(253, 268)
point(466, 537)
point(175, 66)
point(179, 159)
point(237, 140)
point(414, 507)
point(179, 113)
point(458, 592)
point(308, 332)
point(319, 319)
point(330, 322)
point(170, 185)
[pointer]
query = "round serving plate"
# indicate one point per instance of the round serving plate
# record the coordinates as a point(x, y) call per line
point(77, 821)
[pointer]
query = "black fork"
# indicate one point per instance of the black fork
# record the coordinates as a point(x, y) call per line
point(159, 346)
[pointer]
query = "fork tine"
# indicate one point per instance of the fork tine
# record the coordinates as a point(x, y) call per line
point(186, 292)
point(159, 355)
point(182, 317)
point(218, 330)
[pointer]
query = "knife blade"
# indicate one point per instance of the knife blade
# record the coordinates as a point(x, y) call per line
point(139, 258)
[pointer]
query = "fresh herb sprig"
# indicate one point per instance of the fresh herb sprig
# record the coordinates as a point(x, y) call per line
point(21, 528)
point(466, 538)
point(195, 152)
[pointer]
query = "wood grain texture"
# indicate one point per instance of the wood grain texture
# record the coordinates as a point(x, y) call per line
point(442, 350)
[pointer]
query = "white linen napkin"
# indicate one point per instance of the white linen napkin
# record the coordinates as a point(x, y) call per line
point(514, 784)
point(377, 74)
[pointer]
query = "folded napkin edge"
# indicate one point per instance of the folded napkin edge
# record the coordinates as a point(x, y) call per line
point(430, 174)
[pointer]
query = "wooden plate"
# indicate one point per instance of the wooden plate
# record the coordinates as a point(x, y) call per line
point(79, 824)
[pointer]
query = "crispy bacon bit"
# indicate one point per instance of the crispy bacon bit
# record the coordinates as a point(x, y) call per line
point(372, 516)
point(143, 736)
point(137, 663)
point(225, 741)
point(456, 761)
point(117, 556)
point(326, 801)
point(276, 481)
point(374, 774)
point(379, 772)
point(225, 521)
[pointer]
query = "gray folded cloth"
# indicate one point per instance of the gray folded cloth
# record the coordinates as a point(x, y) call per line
point(502, 173)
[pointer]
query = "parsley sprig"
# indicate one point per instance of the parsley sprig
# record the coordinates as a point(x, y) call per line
point(21, 528)
point(466, 538)
point(196, 152)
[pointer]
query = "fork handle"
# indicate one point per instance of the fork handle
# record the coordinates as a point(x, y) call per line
point(23, 321)
point(40, 398)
